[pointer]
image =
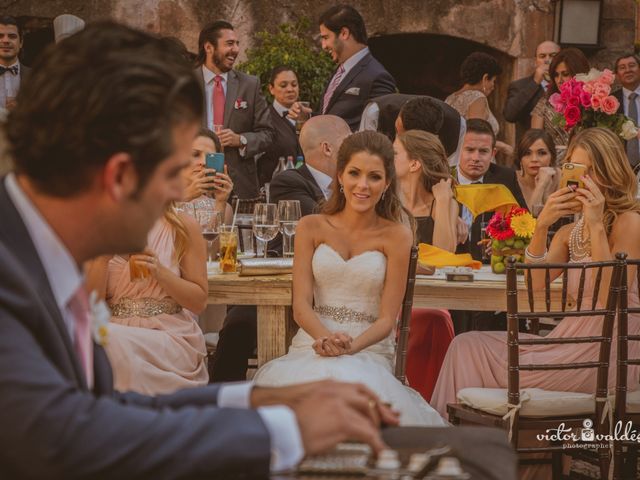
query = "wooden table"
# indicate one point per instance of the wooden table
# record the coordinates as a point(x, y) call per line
point(272, 296)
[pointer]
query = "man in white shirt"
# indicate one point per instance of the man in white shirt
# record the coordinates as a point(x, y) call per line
point(11, 70)
point(627, 69)
point(234, 106)
point(96, 164)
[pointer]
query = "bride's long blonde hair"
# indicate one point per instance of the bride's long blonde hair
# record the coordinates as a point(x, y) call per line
point(181, 238)
point(610, 164)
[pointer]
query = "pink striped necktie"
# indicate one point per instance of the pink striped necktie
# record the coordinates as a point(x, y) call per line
point(335, 81)
point(79, 306)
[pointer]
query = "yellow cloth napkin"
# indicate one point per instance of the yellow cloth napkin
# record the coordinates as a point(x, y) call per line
point(431, 256)
point(485, 197)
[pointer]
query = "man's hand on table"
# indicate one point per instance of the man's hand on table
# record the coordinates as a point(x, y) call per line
point(331, 412)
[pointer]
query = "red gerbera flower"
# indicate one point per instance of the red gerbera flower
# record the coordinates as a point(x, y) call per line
point(499, 227)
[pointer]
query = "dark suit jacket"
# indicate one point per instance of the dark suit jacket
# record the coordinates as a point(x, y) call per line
point(495, 174)
point(366, 80)
point(285, 144)
point(619, 94)
point(295, 184)
point(522, 97)
point(253, 122)
point(390, 106)
point(54, 427)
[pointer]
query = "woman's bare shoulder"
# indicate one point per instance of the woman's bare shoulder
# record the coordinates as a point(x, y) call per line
point(397, 233)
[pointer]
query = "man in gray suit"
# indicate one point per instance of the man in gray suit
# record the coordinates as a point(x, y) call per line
point(234, 108)
point(101, 131)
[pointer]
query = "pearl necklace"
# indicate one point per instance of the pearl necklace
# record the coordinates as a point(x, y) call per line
point(579, 248)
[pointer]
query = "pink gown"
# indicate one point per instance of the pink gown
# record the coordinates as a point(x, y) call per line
point(155, 354)
point(479, 359)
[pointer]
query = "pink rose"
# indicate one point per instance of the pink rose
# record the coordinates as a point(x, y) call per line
point(606, 77)
point(596, 103)
point(565, 95)
point(588, 87)
point(585, 99)
point(557, 103)
point(601, 90)
point(610, 105)
point(574, 100)
point(572, 115)
point(577, 88)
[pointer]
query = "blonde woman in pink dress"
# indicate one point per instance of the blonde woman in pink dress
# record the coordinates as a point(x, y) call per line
point(610, 223)
point(154, 342)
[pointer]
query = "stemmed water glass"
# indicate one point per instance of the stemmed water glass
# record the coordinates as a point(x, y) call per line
point(265, 223)
point(288, 216)
point(209, 221)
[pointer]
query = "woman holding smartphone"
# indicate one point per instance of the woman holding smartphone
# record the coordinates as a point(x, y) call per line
point(609, 223)
point(207, 188)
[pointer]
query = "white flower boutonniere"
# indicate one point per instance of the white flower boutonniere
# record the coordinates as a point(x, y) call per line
point(241, 104)
point(100, 317)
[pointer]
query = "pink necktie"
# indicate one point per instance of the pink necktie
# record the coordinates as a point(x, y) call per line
point(218, 101)
point(79, 306)
point(335, 81)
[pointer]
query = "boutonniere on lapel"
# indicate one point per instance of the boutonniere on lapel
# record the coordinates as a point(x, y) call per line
point(100, 315)
point(240, 104)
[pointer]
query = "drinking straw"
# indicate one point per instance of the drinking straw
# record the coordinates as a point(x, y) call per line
point(235, 214)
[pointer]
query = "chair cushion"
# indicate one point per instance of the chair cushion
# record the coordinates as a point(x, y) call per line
point(536, 402)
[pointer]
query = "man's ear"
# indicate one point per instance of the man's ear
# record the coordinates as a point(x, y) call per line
point(345, 33)
point(493, 152)
point(119, 177)
point(327, 149)
point(209, 48)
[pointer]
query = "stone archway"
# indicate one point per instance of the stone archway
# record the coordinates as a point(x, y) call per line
point(429, 64)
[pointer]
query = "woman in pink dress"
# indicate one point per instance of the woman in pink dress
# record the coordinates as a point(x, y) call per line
point(154, 342)
point(610, 223)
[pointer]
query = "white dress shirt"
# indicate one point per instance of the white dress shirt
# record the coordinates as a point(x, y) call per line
point(467, 216)
point(323, 180)
point(65, 278)
point(278, 107)
point(10, 84)
point(208, 76)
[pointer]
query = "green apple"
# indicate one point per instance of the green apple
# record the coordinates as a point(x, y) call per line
point(509, 242)
point(498, 267)
point(496, 244)
point(518, 244)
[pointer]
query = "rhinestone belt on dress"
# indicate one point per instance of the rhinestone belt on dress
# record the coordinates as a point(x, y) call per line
point(144, 307)
point(343, 314)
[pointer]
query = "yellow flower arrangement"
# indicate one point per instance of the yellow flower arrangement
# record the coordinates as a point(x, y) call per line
point(523, 225)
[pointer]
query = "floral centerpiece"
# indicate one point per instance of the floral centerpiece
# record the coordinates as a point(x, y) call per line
point(585, 101)
point(510, 234)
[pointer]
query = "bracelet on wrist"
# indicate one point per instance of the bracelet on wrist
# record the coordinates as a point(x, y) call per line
point(535, 258)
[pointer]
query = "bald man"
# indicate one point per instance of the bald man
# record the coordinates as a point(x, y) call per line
point(523, 94)
point(320, 140)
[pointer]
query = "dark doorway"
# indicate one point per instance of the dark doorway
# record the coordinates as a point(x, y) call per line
point(38, 33)
point(429, 64)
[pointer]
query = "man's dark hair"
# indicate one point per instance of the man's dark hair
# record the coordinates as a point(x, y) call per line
point(277, 71)
point(622, 57)
point(210, 33)
point(481, 127)
point(9, 20)
point(475, 66)
point(105, 90)
point(345, 16)
point(422, 114)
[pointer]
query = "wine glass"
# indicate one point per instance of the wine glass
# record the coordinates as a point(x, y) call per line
point(288, 216)
point(265, 223)
point(185, 207)
point(209, 221)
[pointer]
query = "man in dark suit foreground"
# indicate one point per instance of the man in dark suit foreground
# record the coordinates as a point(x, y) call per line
point(627, 70)
point(101, 131)
point(320, 140)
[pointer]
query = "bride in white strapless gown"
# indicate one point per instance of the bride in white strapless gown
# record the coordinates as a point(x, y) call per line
point(347, 298)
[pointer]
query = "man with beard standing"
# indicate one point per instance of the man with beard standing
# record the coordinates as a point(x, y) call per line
point(234, 107)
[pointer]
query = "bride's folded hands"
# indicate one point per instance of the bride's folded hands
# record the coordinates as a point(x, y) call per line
point(334, 345)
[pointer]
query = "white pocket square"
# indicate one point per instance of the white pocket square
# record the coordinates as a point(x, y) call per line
point(353, 91)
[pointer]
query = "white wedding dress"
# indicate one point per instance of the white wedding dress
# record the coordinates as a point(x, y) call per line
point(347, 298)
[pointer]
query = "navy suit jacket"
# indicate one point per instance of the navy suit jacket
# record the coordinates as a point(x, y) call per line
point(522, 96)
point(254, 122)
point(54, 427)
point(619, 94)
point(366, 80)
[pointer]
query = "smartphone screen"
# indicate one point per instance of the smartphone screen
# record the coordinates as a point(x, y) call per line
point(215, 161)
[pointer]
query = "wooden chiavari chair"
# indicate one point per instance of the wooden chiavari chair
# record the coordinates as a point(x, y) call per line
point(537, 410)
point(405, 318)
